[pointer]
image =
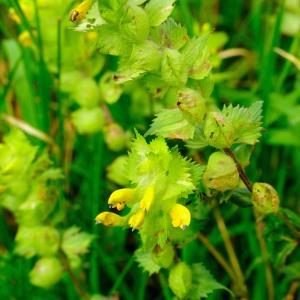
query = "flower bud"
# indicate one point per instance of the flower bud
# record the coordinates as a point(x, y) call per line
point(46, 272)
point(88, 120)
point(180, 215)
point(115, 137)
point(218, 131)
point(180, 279)
point(25, 39)
point(190, 101)
point(110, 91)
point(265, 198)
point(120, 197)
point(86, 93)
point(109, 219)
point(164, 256)
point(147, 199)
point(221, 173)
point(137, 219)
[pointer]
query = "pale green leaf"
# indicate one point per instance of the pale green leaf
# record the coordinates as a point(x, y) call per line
point(203, 283)
point(111, 41)
point(170, 34)
point(159, 10)
point(172, 123)
point(146, 261)
point(173, 69)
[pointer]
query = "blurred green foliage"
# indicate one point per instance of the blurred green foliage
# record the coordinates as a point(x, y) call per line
point(57, 88)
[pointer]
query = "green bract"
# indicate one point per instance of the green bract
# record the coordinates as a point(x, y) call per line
point(180, 279)
point(221, 173)
point(46, 272)
point(265, 198)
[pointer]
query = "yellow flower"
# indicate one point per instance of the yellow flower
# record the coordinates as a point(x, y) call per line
point(109, 219)
point(136, 220)
point(147, 199)
point(120, 197)
point(25, 39)
point(79, 13)
point(14, 16)
point(180, 215)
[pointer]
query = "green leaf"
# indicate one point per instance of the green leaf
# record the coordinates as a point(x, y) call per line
point(135, 24)
point(193, 49)
point(172, 123)
point(203, 283)
point(292, 271)
point(180, 279)
point(145, 260)
point(111, 10)
point(173, 69)
point(111, 41)
point(145, 57)
point(159, 10)
point(170, 35)
point(75, 243)
point(245, 121)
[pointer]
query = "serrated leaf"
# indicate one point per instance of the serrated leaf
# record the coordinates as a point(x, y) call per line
point(112, 10)
point(203, 283)
point(170, 34)
point(172, 123)
point(198, 141)
point(159, 10)
point(246, 122)
point(173, 69)
point(111, 42)
point(146, 261)
point(193, 49)
point(135, 24)
point(145, 57)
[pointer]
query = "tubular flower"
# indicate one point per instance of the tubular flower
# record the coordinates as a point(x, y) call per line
point(79, 13)
point(147, 199)
point(25, 39)
point(136, 220)
point(120, 197)
point(109, 219)
point(180, 215)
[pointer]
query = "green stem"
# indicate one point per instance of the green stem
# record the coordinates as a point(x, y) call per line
point(242, 289)
point(121, 277)
point(217, 255)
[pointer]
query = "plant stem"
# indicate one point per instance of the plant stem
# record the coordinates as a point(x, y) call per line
point(217, 255)
point(259, 228)
point(240, 169)
point(240, 281)
point(82, 293)
point(292, 291)
point(264, 251)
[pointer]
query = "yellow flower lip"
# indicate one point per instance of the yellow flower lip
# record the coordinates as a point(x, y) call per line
point(147, 199)
point(181, 216)
point(109, 219)
point(137, 220)
point(120, 198)
point(79, 13)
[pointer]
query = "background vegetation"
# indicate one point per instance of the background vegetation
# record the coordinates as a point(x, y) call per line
point(46, 68)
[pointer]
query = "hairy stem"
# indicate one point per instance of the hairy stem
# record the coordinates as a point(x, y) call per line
point(231, 253)
point(217, 255)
